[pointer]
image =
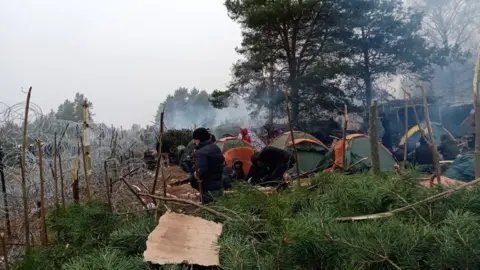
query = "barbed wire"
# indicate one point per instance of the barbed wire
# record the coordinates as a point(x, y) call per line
point(123, 149)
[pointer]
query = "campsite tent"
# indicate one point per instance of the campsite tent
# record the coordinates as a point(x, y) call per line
point(311, 152)
point(413, 135)
point(233, 147)
point(358, 154)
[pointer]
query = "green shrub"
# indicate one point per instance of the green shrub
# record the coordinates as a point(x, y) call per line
point(131, 238)
point(294, 229)
point(176, 137)
point(84, 225)
point(106, 259)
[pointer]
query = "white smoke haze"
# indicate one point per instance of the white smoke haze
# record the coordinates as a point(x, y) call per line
point(183, 116)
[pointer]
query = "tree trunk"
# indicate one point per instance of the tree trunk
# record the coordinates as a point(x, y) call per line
point(373, 133)
point(477, 117)
point(368, 79)
point(271, 90)
point(367, 76)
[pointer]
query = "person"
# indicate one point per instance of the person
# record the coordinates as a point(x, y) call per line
point(269, 166)
point(448, 148)
point(212, 137)
point(424, 156)
point(233, 174)
point(245, 136)
point(387, 134)
point(209, 166)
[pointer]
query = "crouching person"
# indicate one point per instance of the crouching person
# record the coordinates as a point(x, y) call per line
point(233, 174)
point(269, 166)
point(209, 164)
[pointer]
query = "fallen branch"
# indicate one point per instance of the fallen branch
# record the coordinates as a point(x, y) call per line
point(410, 206)
point(125, 175)
point(208, 209)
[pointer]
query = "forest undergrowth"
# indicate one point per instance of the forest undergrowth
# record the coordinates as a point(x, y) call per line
point(294, 229)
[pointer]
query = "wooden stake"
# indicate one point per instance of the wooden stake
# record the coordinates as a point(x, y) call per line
point(159, 159)
point(107, 184)
point(344, 136)
point(86, 151)
point(62, 183)
point(43, 224)
point(476, 98)
point(295, 154)
point(62, 188)
point(5, 251)
point(55, 178)
point(75, 191)
point(85, 166)
point(373, 119)
point(4, 191)
point(433, 147)
point(405, 146)
point(26, 223)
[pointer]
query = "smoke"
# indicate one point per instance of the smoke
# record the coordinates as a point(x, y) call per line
point(191, 114)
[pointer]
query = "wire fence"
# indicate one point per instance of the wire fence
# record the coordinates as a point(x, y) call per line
point(120, 150)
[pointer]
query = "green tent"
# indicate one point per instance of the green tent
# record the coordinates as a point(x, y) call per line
point(310, 150)
point(358, 154)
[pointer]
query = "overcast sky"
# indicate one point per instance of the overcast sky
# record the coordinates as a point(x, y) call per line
point(124, 55)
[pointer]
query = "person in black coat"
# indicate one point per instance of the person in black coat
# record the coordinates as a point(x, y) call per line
point(210, 163)
point(448, 148)
point(269, 165)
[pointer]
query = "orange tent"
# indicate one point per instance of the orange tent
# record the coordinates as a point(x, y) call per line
point(233, 147)
point(358, 151)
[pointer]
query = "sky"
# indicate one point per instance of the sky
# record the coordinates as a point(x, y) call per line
point(126, 56)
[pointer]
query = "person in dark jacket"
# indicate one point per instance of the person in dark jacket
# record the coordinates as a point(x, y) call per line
point(269, 165)
point(423, 153)
point(448, 148)
point(210, 163)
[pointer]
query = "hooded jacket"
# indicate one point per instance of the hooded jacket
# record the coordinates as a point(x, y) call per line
point(245, 135)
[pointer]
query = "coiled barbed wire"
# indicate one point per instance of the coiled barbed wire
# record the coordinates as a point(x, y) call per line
point(107, 143)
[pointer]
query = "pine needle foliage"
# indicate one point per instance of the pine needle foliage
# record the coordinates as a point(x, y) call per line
point(293, 229)
point(297, 229)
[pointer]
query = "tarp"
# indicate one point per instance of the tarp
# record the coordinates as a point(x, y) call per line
point(233, 147)
point(310, 151)
point(413, 135)
point(182, 239)
point(462, 169)
point(358, 154)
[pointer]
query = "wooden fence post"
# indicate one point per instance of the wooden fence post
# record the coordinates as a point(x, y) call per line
point(43, 225)
point(86, 151)
point(373, 119)
point(26, 223)
point(4, 191)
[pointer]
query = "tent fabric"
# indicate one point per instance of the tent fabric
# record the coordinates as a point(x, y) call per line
point(242, 153)
point(358, 153)
point(310, 151)
point(462, 169)
point(233, 147)
point(413, 135)
point(282, 140)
